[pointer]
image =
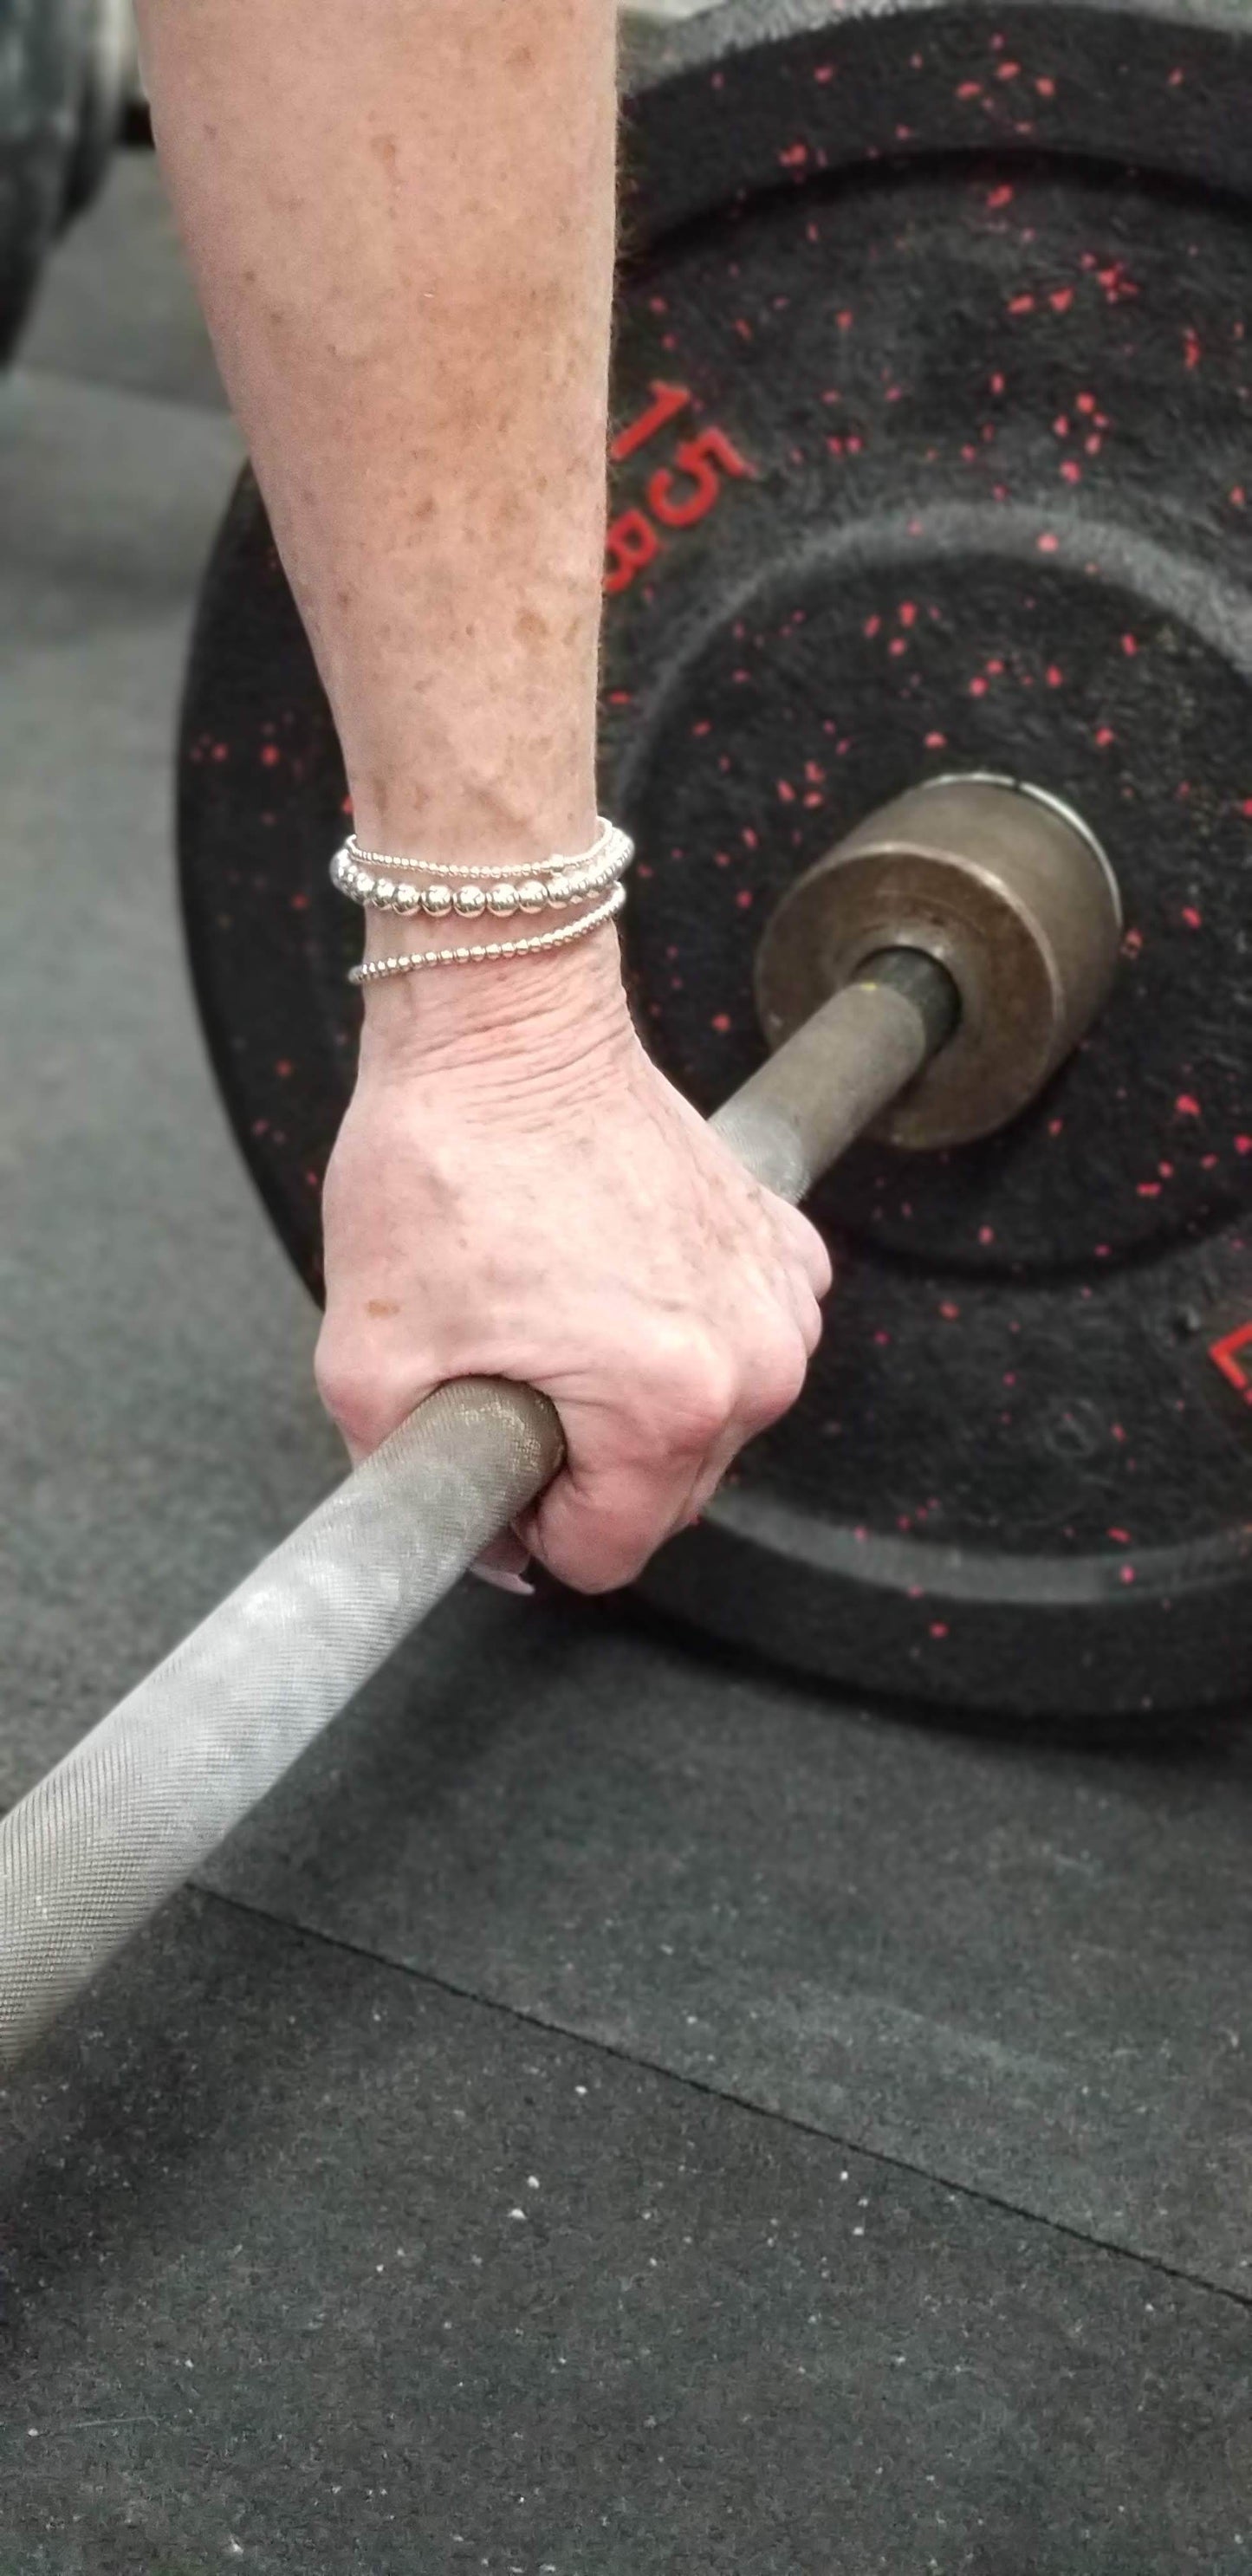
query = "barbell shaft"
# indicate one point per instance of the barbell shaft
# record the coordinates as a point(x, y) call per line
point(139, 1804)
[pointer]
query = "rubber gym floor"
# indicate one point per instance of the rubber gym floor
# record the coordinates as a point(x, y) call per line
point(616, 2111)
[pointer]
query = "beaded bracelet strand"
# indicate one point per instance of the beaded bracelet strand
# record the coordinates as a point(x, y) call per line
point(380, 969)
point(500, 895)
point(608, 835)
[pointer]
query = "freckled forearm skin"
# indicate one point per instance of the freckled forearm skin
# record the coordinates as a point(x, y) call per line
point(401, 215)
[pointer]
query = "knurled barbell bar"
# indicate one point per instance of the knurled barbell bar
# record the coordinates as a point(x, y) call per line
point(931, 454)
point(1008, 923)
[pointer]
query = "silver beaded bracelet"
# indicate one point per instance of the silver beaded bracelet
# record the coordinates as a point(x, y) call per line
point(554, 884)
point(377, 859)
point(379, 969)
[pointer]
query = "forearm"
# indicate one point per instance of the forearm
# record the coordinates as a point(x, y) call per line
point(402, 215)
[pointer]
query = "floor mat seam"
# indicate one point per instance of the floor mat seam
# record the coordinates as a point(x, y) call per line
point(1115, 2251)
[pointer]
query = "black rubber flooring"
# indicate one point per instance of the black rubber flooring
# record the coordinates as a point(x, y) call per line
point(615, 2109)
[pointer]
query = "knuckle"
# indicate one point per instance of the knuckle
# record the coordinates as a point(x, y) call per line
point(699, 1401)
point(777, 1377)
point(356, 1402)
point(682, 1393)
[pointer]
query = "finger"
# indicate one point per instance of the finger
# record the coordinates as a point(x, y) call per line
point(797, 1298)
point(804, 1242)
point(595, 1528)
point(713, 1474)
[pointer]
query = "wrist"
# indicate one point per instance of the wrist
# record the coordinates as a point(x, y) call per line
point(525, 1016)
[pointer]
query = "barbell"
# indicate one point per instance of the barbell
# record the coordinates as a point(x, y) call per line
point(955, 949)
point(931, 453)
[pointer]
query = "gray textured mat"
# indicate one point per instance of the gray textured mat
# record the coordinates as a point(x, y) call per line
point(311, 2270)
point(158, 1428)
point(1018, 1967)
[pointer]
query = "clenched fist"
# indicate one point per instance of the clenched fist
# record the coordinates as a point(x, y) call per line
point(518, 1192)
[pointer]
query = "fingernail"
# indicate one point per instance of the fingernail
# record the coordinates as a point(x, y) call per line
point(501, 1581)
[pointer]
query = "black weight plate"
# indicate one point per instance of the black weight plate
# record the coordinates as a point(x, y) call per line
point(932, 402)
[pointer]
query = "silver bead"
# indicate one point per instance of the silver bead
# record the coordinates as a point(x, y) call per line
point(384, 893)
point(407, 898)
point(364, 884)
point(502, 898)
point(437, 900)
point(532, 895)
point(470, 901)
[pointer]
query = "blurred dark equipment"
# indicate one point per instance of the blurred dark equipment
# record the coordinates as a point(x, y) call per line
point(67, 79)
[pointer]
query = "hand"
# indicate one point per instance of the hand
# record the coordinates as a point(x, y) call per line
point(529, 1198)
